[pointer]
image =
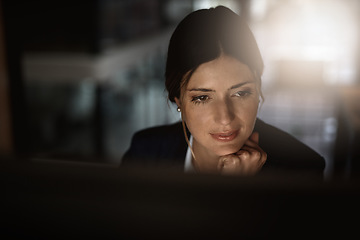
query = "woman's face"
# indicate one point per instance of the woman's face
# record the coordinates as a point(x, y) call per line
point(219, 105)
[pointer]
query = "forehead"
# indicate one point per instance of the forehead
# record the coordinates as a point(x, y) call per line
point(224, 70)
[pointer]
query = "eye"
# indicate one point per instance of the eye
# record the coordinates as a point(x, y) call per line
point(242, 93)
point(200, 99)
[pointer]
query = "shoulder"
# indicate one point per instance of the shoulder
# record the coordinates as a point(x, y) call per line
point(157, 144)
point(159, 131)
point(284, 150)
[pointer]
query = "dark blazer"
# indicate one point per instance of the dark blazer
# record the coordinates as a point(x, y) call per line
point(166, 146)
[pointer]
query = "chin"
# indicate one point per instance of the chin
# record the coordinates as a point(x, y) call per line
point(227, 150)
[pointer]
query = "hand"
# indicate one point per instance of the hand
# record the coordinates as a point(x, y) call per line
point(247, 161)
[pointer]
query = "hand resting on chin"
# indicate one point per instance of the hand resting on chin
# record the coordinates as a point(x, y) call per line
point(247, 161)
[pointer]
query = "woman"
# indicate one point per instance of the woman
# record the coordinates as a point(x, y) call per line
point(213, 75)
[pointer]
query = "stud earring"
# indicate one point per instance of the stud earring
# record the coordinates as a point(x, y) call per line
point(178, 109)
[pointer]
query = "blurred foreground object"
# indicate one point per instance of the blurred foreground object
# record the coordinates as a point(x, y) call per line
point(347, 147)
point(43, 198)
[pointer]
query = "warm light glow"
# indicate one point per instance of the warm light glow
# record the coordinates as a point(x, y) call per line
point(325, 31)
point(200, 4)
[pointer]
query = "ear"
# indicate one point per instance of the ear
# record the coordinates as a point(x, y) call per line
point(178, 103)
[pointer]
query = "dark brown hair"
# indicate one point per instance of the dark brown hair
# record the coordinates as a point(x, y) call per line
point(203, 36)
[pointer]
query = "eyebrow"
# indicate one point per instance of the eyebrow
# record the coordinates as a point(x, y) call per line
point(201, 90)
point(240, 84)
point(210, 90)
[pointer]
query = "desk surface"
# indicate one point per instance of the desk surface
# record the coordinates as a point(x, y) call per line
point(46, 198)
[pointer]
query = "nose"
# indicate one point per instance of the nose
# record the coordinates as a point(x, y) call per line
point(224, 112)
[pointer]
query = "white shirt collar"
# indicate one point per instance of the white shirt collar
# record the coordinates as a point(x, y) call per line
point(189, 167)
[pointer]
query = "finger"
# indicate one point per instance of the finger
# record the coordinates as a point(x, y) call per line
point(243, 153)
point(231, 167)
point(221, 162)
point(256, 157)
point(226, 160)
point(252, 152)
point(256, 152)
point(229, 164)
point(249, 159)
point(254, 137)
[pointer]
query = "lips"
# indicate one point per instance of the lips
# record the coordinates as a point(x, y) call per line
point(226, 136)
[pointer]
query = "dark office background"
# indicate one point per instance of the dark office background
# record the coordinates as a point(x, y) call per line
point(78, 78)
point(82, 76)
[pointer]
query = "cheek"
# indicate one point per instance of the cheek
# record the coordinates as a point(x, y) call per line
point(246, 110)
point(196, 119)
point(198, 116)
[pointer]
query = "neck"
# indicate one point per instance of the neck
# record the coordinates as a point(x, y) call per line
point(205, 161)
